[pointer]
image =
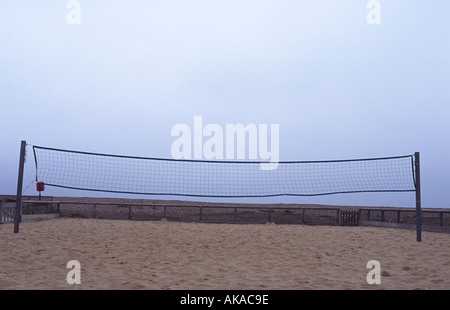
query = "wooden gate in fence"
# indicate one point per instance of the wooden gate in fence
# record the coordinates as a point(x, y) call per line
point(349, 218)
point(7, 210)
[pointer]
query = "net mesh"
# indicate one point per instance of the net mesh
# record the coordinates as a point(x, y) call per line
point(155, 176)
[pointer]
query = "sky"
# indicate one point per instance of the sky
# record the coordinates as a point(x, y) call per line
point(117, 76)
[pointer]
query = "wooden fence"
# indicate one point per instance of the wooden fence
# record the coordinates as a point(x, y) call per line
point(7, 212)
point(203, 213)
point(432, 220)
point(350, 218)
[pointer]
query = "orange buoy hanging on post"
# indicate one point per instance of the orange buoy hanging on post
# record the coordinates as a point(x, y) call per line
point(40, 187)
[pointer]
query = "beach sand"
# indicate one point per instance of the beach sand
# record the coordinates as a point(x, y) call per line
point(121, 254)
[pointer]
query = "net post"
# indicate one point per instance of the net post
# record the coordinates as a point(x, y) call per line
point(418, 198)
point(17, 211)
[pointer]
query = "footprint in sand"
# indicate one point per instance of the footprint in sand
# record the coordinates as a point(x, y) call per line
point(437, 281)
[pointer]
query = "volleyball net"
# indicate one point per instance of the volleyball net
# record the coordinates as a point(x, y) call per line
point(210, 178)
point(205, 178)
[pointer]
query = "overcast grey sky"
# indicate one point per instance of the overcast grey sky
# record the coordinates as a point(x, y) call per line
point(338, 86)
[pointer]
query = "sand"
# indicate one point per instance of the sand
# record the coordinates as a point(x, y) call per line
point(162, 255)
